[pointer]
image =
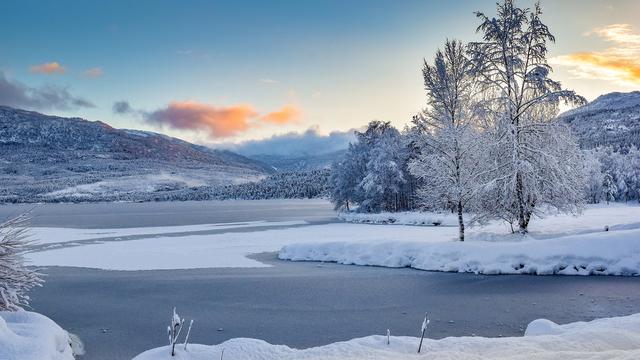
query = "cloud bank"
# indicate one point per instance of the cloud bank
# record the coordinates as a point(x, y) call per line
point(283, 116)
point(122, 107)
point(218, 121)
point(619, 63)
point(93, 72)
point(16, 94)
point(48, 68)
point(190, 115)
point(294, 144)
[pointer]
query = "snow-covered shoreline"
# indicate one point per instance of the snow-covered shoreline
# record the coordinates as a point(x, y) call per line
point(609, 338)
point(591, 254)
point(558, 245)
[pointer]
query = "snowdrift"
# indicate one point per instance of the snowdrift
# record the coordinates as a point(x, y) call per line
point(602, 253)
point(612, 338)
point(27, 335)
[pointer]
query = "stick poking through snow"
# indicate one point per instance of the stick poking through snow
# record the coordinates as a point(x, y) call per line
point(425, 322)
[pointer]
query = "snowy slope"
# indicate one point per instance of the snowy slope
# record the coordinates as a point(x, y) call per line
point(27, 335)
point(611, 338)
point(49, 157)
point(611, 119)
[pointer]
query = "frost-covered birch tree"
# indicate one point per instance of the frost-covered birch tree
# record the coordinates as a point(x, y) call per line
point(16, 279)
point(449, 165)
point(538, 162)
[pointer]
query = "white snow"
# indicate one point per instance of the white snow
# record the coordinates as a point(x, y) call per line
point(610, 338)
point(560, 244)
point(208, 251)
point(48, 235)
point(557, 245)
point(27, 335)
point(606, 253)
point(400, 218)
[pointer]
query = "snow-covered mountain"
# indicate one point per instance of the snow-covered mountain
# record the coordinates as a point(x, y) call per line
point(611, 119)
point(299, 162)
point(46, 156)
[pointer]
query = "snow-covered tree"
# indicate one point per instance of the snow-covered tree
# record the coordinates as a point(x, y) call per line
point(16, 279)
point(346, 174)
point(614, 173)
point(609, 189)
point(537, 159)
point(593, 176)
point(449, 165)
point(373, 173)
point(384, 179)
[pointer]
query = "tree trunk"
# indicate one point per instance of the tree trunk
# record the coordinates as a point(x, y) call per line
point(460, 221)
point(522, 216)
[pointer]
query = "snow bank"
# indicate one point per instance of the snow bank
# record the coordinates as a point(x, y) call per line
point(603, 253)
point(27, 335)
point(562, 244)
point(612, 338)
point(400, 218)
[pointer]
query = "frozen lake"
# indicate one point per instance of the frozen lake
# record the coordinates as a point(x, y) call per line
point(119, 314)
point(125, 215)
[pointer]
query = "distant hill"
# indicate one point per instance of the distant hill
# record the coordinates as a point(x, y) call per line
point(299, 162)
point(48, 157)
point(611, 119)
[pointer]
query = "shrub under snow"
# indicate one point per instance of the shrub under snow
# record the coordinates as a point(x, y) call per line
point(15, 278)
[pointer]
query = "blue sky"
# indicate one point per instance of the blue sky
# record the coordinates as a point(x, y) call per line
point(281, 66)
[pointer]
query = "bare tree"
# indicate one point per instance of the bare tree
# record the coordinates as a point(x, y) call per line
point(448, 165)
point(511, 64)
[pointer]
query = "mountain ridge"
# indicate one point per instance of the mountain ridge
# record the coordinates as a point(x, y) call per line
point(46, 156)
point(611, 119)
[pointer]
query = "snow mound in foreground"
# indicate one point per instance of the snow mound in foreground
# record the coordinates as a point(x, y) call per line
point(612, 338)
point(27, 335)
point(601, 253)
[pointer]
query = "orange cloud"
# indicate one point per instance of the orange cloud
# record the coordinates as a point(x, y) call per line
point(603, 66)
point(620, 63)
point(93, 72)
point(287, 114)
point(48, 68)
point(219, 121)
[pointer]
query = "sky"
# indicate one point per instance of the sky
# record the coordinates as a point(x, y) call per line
point(220, 72)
